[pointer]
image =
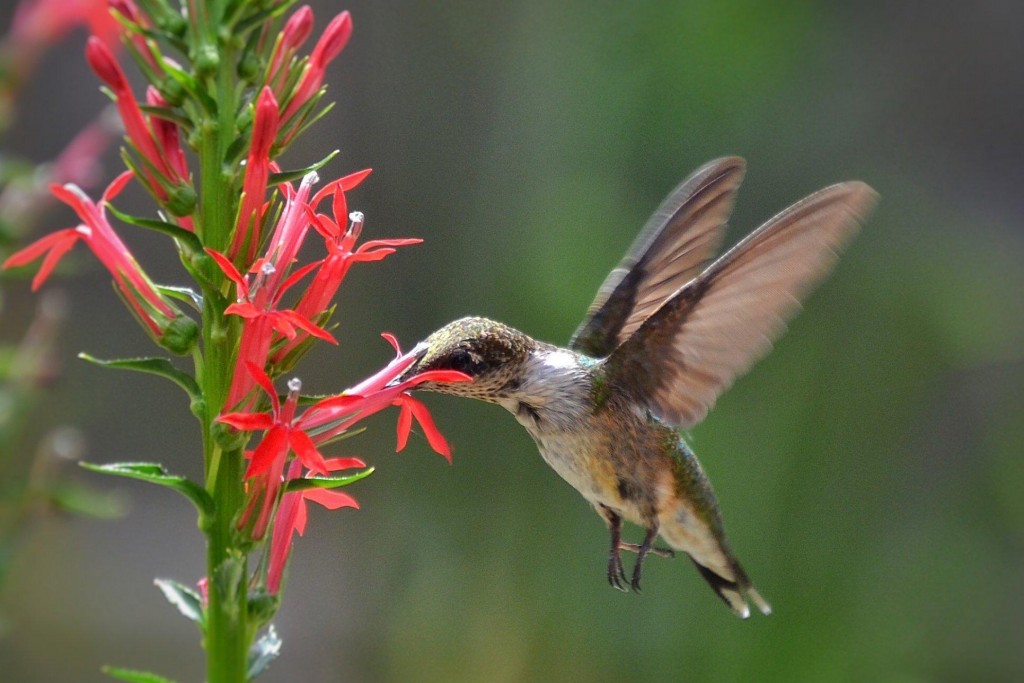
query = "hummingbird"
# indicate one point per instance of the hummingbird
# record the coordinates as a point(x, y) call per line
point(668, 332)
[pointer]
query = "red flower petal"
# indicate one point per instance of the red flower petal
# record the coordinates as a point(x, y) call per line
point(335, 464)
point(332, 500)
point(434, 437)
point(307, 453)
point(117, 185)
point(391, 339)
point(229, 269)
point(248, 422)
point(54, 246)
point(404, 427)
point(261, 377)
point(273, 448)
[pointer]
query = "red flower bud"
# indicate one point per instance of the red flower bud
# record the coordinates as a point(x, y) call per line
point(102, 61)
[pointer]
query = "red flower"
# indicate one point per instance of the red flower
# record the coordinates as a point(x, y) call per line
point(152, 309)
point(257, 171)
point(257, 305)
point(292, 516)
point(137, 26)
point(330, 45)
point(294, 33)
point(162, 166)
point(341, 253)
point(328, 421)
point(284, 434)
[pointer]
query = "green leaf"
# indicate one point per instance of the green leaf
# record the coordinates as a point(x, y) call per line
point(152, 366)
point(263, 652)
point(288, 176)
point(188, 601)
point(180, 234)
point(168, 114)
point(306, 483)
point(236, 149)
point(186, 294)
point(156, 474)
point(133, 676)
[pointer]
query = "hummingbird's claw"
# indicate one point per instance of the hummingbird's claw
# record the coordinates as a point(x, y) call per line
point(616, 574)
point(641, 554)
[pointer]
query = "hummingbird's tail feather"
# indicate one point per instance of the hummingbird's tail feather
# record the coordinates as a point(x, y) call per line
point(734, 593)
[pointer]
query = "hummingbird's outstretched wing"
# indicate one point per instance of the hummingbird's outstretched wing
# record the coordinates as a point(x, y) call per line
point(714, 329)
point(677, 242)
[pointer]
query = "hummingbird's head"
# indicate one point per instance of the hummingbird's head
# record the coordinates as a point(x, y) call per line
point(488, 351)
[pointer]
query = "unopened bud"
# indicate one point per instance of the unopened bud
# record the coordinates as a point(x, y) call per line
point(172, 91)
point(180, 335)
point(206, 61)
point(182, 200)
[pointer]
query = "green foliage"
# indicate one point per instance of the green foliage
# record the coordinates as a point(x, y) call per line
point(186, 600)
point(307, 483)
point(134, 676)
point(156, 474)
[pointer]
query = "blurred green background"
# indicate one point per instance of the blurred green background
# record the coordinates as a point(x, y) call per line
point(870, 470)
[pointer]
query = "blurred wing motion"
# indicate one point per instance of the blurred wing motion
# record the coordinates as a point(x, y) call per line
point(714, 329)
point(675, 245)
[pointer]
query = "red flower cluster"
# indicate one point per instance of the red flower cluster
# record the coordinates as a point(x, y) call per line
point(163, 169)
point(277, 307)
point(287, 432)
point(157, 314)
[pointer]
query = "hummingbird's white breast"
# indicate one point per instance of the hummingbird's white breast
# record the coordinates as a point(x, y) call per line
point(553, 401)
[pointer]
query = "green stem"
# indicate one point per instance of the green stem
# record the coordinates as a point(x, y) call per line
point(228, 634)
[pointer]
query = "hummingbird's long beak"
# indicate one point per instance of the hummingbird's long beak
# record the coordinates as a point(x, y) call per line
point(419, 351)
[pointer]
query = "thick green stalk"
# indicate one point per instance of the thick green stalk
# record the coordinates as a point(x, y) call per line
point(228, 633)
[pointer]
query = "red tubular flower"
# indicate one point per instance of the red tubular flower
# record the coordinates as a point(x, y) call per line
point(341, 253)
point(258, 306)
point(152, 309)
point(330, 45)
point(136, 19)
point(292, 516)
point(257, 171)
point(167, 136)
point(327, 420)
point(163, 167)
point(284, 434)
point(294, 33)
point(290, 230)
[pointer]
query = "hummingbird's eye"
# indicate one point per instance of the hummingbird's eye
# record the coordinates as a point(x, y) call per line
point(462, 361)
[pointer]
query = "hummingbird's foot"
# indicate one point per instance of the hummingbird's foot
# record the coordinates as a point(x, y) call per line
point(641, 554)
point(667, 553)
point(616, 574)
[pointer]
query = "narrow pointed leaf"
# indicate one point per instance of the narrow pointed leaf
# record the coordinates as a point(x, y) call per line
point(168, 114)
point(263, 652)
point(186, 294)
point(307, 483)
point(134, 676)
point(156, 474)
point(288, 176)
point(184, 598)
point(152, 366)
point(183, 236)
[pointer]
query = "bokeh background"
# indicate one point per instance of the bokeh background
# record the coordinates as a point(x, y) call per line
point(871, 470)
